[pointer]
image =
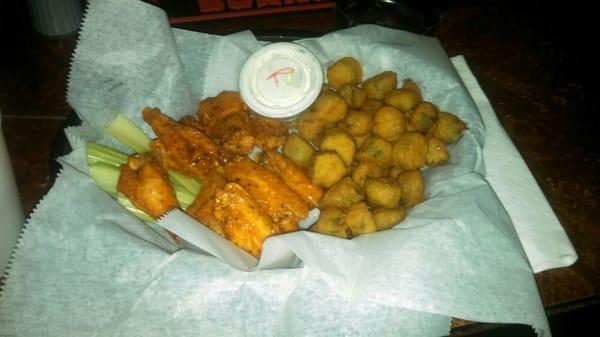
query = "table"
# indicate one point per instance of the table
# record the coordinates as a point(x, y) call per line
point(534, 73)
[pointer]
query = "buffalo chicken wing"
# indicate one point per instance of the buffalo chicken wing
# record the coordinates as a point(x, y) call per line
point(293, 176)
point(281, 203)
point(182, 147)
point(224, 118)
point(242, 220)
point(144, 182)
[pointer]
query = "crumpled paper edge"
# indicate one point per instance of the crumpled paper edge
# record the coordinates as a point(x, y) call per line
point(6, 274)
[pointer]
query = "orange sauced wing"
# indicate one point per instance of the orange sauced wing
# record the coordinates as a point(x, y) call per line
point(282, 204)
point(205, 215)
point(214, 109)
point(269, 133)
point(293, 176)
point(191, 121)
point(236, 136)
point(242, 219)
point(145, 183)
point(182, 147)
point(202, 209)
point(224, 118)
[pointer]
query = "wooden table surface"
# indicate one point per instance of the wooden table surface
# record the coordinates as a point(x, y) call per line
point(535, 73)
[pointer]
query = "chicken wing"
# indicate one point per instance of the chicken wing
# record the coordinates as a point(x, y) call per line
point(224, 118)
point(145, 183)
point(202, 209)
point(268, 133)
point(182, 147)
point(242, 219)
point(191, 121)
point(293, 176)
point(282, 204)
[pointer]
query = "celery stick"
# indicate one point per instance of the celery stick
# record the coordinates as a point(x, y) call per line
point(126, 132)
point(97, 153)
point(106, 177)
point(125, 202)
point(188, 183)
point(184, 198)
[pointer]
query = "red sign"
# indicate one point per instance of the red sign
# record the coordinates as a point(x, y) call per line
point(222, 9)
point(209, 6)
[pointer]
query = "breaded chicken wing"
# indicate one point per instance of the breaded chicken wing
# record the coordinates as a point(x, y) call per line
point(242, 219)
point(145, 183)
point(293, 176)
point(182, 147)
point(282, 204)
point(224, 118)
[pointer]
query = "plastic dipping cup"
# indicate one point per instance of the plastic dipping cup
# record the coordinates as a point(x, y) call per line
point(281, 80)
point(11, 211)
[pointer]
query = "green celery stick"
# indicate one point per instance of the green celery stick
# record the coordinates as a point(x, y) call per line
point(126, 132)
point(106, 177)
point(184, 198)
point(125, 202)
point(180, 180)
point(97, 153)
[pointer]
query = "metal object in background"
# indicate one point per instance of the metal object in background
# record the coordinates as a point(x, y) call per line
point(55, 17)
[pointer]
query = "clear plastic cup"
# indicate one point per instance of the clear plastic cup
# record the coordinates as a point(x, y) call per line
point(11, 211)
point(55, 17)
point(281, 80)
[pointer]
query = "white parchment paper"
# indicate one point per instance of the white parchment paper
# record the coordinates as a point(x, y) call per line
point(84, 267)
point(542, 236)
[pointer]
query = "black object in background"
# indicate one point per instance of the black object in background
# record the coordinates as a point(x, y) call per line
point(175, 8)
point(415, 16)
point(60, 145)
